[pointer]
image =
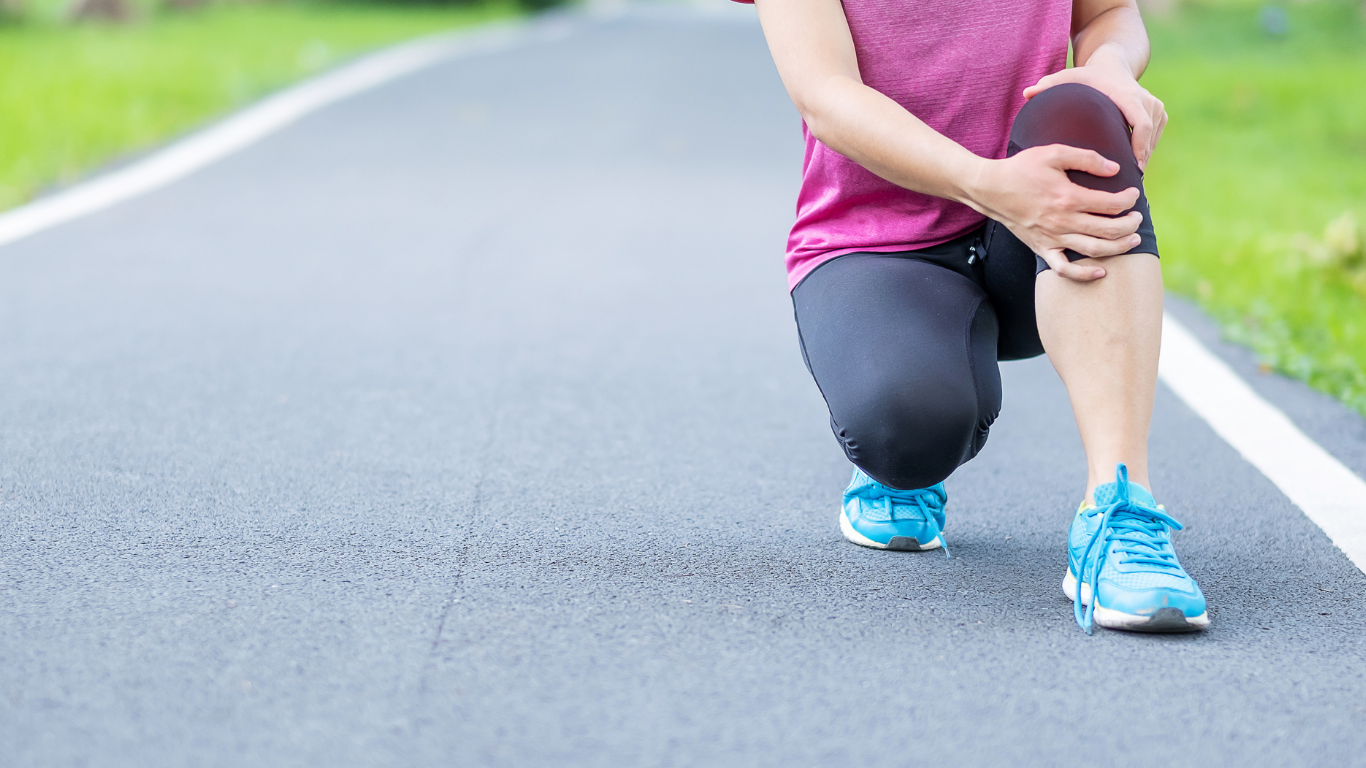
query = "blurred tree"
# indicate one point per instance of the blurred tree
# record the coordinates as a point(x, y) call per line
point(102, 10)
point(11, 9)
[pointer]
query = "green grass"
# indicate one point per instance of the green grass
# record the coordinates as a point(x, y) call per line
point(74, 97)
point(1266, 147)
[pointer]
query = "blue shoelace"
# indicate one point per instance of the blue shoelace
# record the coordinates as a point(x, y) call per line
point(1139, 531)
point(919, 499)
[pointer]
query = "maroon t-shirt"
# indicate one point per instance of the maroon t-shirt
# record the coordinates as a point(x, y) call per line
point(958, 65)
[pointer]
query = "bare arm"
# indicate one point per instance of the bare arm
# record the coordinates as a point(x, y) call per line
point(1029, 193)
point(814, 52)
point(1111, 29)
point(1110, 51)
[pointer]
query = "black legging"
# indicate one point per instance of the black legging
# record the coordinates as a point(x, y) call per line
point(904, 345)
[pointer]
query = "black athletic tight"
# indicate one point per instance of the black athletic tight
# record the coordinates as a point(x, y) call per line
point(904, 345)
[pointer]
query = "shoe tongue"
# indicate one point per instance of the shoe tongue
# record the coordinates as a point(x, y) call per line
point(1108, 493)
point(934, 493)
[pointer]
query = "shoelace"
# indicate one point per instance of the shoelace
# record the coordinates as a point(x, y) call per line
point(1137, 529)
point(920, 499)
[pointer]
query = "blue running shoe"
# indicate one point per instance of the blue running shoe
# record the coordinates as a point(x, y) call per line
point(885, 518)
point(1120, 551)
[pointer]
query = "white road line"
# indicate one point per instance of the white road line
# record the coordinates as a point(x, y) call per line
point(1327, 492)
point(255, 123)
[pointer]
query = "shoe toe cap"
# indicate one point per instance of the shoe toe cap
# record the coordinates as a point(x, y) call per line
point(884, 531)
point(1138, 601)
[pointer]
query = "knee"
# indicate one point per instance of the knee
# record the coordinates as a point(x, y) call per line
point(908, 440)
point(1079, 116)
point(1070, 113)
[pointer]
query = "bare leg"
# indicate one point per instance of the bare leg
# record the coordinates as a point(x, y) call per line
point(1103, 338)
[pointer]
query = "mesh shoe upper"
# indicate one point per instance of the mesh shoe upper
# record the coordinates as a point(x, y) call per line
point(880, 512)
point(1120, 549)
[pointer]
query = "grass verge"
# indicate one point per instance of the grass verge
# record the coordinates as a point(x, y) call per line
point(1261, 179)
point(75, 97)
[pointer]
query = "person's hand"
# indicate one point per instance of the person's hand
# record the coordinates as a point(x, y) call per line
point(1141, 109)
point(1031, 195)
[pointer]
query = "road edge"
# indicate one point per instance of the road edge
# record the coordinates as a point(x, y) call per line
point(254, 123)
point(1326, 491)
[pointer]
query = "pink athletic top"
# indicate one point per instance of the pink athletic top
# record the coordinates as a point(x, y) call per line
point(958, 65)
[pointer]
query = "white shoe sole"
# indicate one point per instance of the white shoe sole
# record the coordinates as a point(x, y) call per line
point(1164, 620)
point(897, 544)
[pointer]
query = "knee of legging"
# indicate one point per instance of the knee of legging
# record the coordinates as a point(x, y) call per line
point(1079, 116)
point(913, 442)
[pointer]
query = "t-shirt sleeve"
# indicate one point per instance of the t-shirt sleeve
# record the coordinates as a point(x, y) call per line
point(747, 2)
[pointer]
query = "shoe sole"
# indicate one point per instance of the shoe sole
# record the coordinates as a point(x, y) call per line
point(897, 544)
point(1164, 620)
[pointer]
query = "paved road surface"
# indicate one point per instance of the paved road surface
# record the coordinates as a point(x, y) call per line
point(463, 423)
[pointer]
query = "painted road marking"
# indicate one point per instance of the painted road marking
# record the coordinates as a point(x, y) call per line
point(255, 123)
point(1328, 493)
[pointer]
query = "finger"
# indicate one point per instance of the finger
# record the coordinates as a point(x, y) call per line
point(1076, 159)
point(1142, 139)
point(1161, 125)
point(1104, 227)
point(1058, 262)
point(1137, 115)
point(1097, 248)
point(1111, 203)
point(1045, 82)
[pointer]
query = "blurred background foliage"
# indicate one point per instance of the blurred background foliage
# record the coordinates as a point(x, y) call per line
point(1258, 189)
point(1259, 186)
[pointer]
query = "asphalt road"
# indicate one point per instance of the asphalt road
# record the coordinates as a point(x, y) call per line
point(463, 423)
